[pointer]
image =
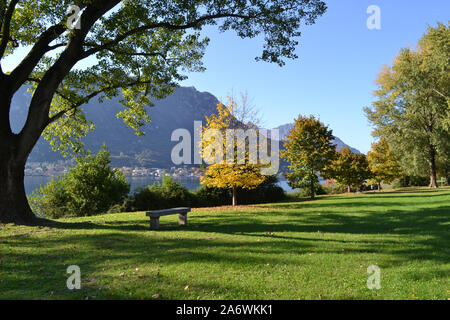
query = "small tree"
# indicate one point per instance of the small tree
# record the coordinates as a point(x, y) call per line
point(308, 149)
point(349, 169)
point(90, 188)
point(228, 171)
point(383, 163)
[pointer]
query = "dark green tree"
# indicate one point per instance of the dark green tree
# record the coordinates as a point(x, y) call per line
point(412, 109)
point(348, 169)
point(139, 48)
point(308, 148)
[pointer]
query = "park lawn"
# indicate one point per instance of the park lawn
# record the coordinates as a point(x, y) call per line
point(294, 250)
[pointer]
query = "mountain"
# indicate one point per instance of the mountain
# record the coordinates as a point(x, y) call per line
point(178, 110)
point(284, 131)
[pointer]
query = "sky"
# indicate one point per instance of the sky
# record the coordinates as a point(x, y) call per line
point(334, 76)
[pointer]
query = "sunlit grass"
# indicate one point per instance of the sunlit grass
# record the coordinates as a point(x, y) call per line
point(295, 250)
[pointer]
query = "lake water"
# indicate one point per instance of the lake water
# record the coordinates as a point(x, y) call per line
point(34, 182)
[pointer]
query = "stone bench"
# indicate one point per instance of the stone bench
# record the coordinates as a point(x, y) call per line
point(156, 214)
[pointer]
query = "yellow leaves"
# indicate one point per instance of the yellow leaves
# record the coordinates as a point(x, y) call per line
point(228, 176)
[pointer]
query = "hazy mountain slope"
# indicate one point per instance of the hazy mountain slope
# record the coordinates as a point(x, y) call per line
point(178, 110)
point(284, 131)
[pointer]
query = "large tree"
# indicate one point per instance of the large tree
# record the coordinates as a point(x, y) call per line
point(137, 47)
point(412, 109)
point(308, 148)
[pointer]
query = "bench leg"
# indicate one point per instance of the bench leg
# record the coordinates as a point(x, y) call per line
point(182, 219)
point(154, 223)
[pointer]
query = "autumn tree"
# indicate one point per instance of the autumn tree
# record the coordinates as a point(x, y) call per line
point(229, 155)
point(412, 109)
point(348, 169)
point(138, 49)
point(308, 148)
point(383, 164)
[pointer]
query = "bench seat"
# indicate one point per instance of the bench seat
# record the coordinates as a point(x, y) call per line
point(156, 214)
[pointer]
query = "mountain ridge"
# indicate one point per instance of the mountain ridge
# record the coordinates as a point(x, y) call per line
point(178, 110)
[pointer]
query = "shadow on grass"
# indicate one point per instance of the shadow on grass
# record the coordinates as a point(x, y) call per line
point(273, 237)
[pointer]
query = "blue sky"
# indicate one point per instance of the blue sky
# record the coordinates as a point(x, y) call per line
point(334, 77)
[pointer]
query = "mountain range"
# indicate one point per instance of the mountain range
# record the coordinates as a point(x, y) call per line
point(179, 110)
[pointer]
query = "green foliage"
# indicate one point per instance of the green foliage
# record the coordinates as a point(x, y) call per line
point(411, 181)
point(90, 188)
point(412, 110)
point(168, 194)
point(348, 169)
point(383, 164)
point(308, 149)
point(334, 188)
point(171, 194)
point(141, 49)
point(305, 192)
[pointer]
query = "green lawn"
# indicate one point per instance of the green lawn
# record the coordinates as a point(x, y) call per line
point(298, 250)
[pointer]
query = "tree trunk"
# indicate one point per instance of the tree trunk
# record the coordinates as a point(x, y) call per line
point(379, 186)
point(234, 197)
point(14, 206)
point(447, 176)
point(349, 189)
point(312, 190)
point(432, 161)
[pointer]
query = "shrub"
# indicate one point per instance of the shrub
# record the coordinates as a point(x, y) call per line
point(305, 192)
point(268, 191)
point(90, 188)
point(172, 194)
point(412, 181)
point(207, 196)
point(334, 188)
point(160, 196)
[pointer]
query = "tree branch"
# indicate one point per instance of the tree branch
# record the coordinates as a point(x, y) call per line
point(166, 25)
point(93, 94)
point(6, 26)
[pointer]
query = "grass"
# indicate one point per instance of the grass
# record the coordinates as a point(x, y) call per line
point(295, 250)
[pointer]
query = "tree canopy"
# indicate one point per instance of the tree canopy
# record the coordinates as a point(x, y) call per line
point(383, 164)
point(138, 49)
point(412, 110)
point(348, 168)
point(308, 148)
point(233, 169)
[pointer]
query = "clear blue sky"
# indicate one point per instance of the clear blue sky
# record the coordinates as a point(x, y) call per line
point(334, 77)
point(339, 58)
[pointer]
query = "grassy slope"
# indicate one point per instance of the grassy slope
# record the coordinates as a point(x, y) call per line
point(297, 250)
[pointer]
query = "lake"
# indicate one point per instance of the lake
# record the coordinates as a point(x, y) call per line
point(34, 182)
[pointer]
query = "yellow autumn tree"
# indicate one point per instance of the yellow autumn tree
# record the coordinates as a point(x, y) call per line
point(232, 162)
point(383, 163)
